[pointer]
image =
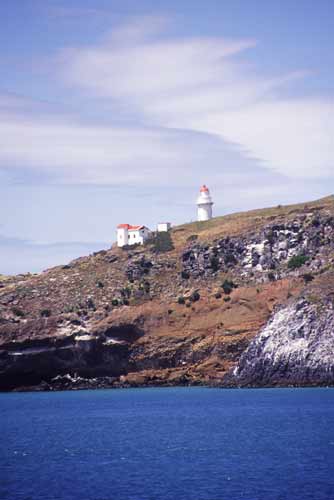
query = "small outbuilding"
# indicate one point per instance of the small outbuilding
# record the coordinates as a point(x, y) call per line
point(163, 227)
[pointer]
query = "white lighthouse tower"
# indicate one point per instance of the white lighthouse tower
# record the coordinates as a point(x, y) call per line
point(204, 204)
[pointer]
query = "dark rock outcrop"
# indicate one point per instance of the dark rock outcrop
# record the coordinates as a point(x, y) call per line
point(266, 253)
point(31, 362)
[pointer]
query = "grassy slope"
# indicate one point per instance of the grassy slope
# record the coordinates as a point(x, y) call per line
point(240, 222)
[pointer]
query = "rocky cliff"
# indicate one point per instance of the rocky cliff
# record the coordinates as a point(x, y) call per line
point(296, 347)
point(245, 299)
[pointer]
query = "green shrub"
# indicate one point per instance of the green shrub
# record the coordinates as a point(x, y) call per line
point(228, 286)
point(185, 275)
point(99, 284)
point(82, 312)
point(115, 302)
point(297, 261)
point(69, 309)
point(308, 277)
point(181, 300)
point(145, 264)
point(192, 237)
point(144, 286)
point(126, 292)
point(45, 313)
point(75, 321)
point(90, 303)
point(316, 222)
point(161, 242)
point(214, 263)
point(229, 258)
point(227, 299)
point(270, 237)
point(18, 312)
point(218, 295)
point(195, 296)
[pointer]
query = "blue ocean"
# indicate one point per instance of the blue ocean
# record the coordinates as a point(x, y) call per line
point(168, 444)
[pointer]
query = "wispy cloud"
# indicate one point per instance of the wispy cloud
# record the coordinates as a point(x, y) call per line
point(129, 64)
point(68, 150)
point(194, 101)
point(206, 84)
point(295, 137)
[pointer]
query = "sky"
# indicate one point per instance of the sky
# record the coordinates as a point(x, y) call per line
point(117, 111)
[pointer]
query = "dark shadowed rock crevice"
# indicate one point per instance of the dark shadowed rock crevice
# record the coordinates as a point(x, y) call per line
point(30, 363)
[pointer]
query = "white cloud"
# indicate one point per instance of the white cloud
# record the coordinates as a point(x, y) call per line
point(293, 136)
point(150, 73)
point(149, 69)
point(206, 84)
point(70, 151)
point(190, 98)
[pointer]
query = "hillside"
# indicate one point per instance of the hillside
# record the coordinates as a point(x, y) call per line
point(244, 299)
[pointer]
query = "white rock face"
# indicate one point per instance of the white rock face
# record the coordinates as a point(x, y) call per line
point(295, 347)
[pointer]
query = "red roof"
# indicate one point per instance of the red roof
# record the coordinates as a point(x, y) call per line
point(204, 189)
point(129, 227)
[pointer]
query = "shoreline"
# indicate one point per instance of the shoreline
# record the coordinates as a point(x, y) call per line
point(97, 384)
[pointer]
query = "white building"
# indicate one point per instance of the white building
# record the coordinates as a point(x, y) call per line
point(131, 235)
point(163, 227)
point(204, 204)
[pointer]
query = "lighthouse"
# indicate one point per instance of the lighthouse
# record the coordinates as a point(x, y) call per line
point(204, 204)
